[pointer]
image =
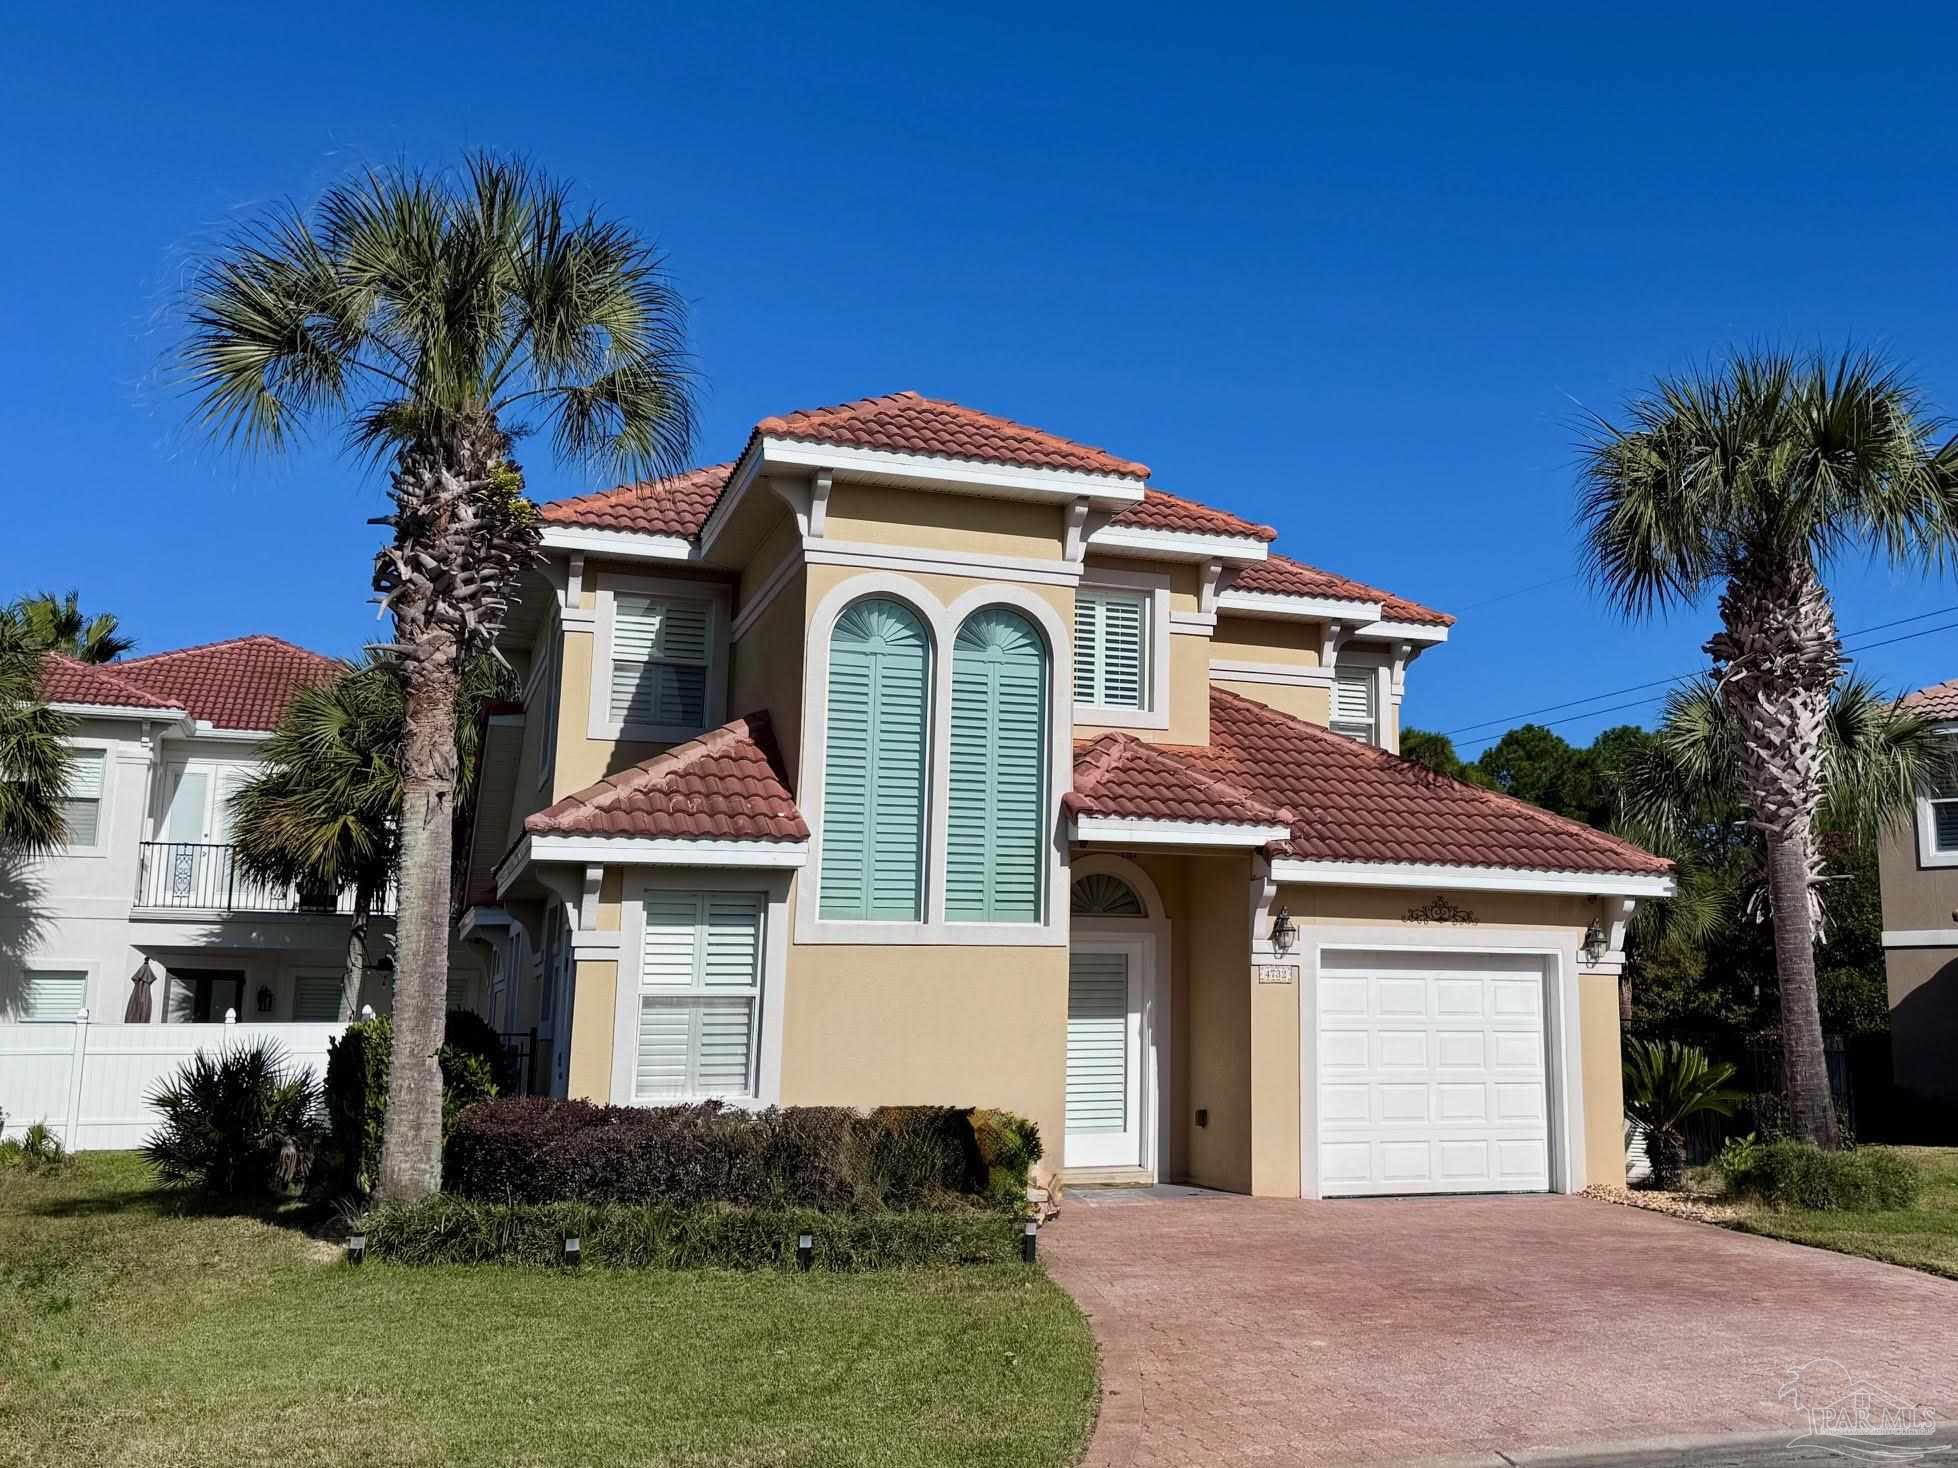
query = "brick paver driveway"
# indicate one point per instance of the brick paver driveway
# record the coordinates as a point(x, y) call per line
point(1238, 1329)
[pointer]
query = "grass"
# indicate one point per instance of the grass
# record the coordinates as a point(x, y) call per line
point(1924, 1237)
point(137, 1330)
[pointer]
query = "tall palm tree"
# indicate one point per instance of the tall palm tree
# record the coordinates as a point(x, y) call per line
point(438, 320)
point(34, 754)
point(58, 624)
point(1753, 478)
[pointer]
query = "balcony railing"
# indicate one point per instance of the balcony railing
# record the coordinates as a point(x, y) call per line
point(199, 876)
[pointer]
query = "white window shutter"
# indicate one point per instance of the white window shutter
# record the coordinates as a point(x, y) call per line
point(1109, 636)
point(659, 661)
point(700, 991)
point(53, 994)
point(1353, 705)
point(82, 798)
point(316, 998)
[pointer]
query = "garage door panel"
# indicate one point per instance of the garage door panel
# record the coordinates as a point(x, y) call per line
point(1431, 1075)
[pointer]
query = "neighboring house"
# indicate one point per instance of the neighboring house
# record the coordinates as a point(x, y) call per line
point(916, 755)
point(144, 905)
point(1917, 865)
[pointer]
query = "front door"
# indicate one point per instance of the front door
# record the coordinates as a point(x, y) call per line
point(1104, 1056)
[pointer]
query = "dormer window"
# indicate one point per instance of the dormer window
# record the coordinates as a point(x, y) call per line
point(660, 670)
point(1355, 706)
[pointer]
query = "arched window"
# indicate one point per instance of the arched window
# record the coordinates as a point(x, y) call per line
point(995, 836)
point(1100, 895)
point(874, 765)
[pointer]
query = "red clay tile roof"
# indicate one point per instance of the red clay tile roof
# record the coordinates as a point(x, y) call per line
point(1939, 701)
point(1358, 803)
point(728, 784)
point(242, 683)
point(1119, 775)
point(1282, 576)
point(904, 422)
point(677, 505)
point(1161, 510)
point(66, 680)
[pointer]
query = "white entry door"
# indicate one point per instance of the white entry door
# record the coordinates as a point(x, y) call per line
point(1431, 1074)
point(1104, 1056)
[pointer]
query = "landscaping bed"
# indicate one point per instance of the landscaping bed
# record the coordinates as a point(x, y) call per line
point(137, 1327)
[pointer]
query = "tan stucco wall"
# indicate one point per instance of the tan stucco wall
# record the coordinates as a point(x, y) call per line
point(1283, 643)
point(1189, 698)
point(582, 760)
point(874, 1026)
point(1314, 705)
point(593, 1008)
point(768, 670)
point(1914, 897)
point(944, 522)
point(1923, 986)
point(1220, 1018)
point(1602, 1081)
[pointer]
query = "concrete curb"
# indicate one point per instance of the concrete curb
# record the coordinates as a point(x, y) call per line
point(1725, 1450)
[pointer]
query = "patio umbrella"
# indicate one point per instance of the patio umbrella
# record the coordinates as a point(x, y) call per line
point(137, 1011)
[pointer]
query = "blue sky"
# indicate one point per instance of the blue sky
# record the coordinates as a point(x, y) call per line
point(1357, 275)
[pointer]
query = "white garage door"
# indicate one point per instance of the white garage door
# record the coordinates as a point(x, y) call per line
point(1431, 1074)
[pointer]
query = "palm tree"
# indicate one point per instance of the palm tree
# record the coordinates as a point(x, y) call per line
point(34, 754)
point(1667, 1084)
point(56, 623)
point(1754, 478)
point(437, 320)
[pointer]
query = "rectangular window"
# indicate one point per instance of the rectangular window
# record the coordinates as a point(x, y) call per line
point(316, 998)
point(1353, 706)
point(51, 995)
point(1944, 824)
point(699, 995)
point(659, 661)
point(1110, 653)
point(81, 804)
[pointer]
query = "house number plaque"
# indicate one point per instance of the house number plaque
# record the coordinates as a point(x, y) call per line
point(1278, 973)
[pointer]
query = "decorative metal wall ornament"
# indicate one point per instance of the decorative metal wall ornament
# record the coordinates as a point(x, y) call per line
point(1439, 909)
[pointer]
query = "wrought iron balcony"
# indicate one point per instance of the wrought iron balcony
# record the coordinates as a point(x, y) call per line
point(195, 876)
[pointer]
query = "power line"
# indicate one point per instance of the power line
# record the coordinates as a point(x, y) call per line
point(1642, 702)
point(1682, 677)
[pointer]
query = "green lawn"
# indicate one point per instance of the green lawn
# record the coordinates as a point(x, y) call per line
point(135, 1331)
point(1924, 1237)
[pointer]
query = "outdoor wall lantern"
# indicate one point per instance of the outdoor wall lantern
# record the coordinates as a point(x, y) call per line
point(1283, 934)
point(1593, 949)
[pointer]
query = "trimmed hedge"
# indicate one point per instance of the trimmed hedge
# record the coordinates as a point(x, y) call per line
point(827, 1158)
point(1802, 1175)
point(356, 1092)
point(449, 1230)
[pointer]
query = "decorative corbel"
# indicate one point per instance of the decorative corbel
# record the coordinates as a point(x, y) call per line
point(1329, 646)
point(1208, 586)
point(819, 488)
point(1077, 530)
point(574, 582)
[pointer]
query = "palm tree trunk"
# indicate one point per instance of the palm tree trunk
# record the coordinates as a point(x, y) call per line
point(356, 970)
point(1777, 657)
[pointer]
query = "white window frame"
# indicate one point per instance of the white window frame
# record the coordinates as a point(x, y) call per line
point(774, 890)
point(104, 803)
point(1376, 675)
point(45, 965)
point(601, 724)
point(1928, 854)
point(942, 620)
point(1153, 587)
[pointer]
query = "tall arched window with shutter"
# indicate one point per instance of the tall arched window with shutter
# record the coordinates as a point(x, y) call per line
point(995, 837)
point(874, 765)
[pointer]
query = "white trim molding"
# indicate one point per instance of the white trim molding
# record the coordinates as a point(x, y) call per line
point(1387, 630)
point(1127, 831)
point(912, 560)
point(623, 544)
point(1928, 854)
point(1920, 937)
point(1470, 879)
point(1307, 608)
point(1154, 544)
point(121, 711)
point(661, 851)
point(1284, 675)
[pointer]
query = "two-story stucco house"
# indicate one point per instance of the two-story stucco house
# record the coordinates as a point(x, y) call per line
point(916, 755)
point(143, 914)
point(1917, 865)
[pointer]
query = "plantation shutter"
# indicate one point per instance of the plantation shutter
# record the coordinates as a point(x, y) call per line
point(699, 995)
point(53, 994)
point(81, 804)
point(659, 661)
point(316, 998)
point(1108, 639)
point(874, 765)
point(1352, 710)
point(1097, 1042)
point(995, 847)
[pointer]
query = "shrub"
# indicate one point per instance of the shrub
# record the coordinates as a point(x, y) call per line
point(468, 1033)
point(37, 1148)
point(448, 1230)
point(821, 1157)
point(1802, 1175)
point(357, 1095)
point(237, 1123)
point(1666, 1082)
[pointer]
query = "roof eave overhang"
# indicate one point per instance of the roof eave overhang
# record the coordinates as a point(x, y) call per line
point(125, 711)
point(1388, 630)
point(1129, 831)
point(1471, 879)
point(539, 848)
point(1146, 543)
point(631, 545)
point(1303, 608)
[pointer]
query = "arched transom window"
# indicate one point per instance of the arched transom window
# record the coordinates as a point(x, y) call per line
point(995, 858)
point(1100, 895)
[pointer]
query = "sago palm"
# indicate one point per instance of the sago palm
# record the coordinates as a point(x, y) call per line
point(1667, 1083)
point(1752, 480)
point(34, 754)
point(58, 624)
point(438, 321)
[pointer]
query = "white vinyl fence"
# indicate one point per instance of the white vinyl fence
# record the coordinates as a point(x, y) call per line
point(90, 1083)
